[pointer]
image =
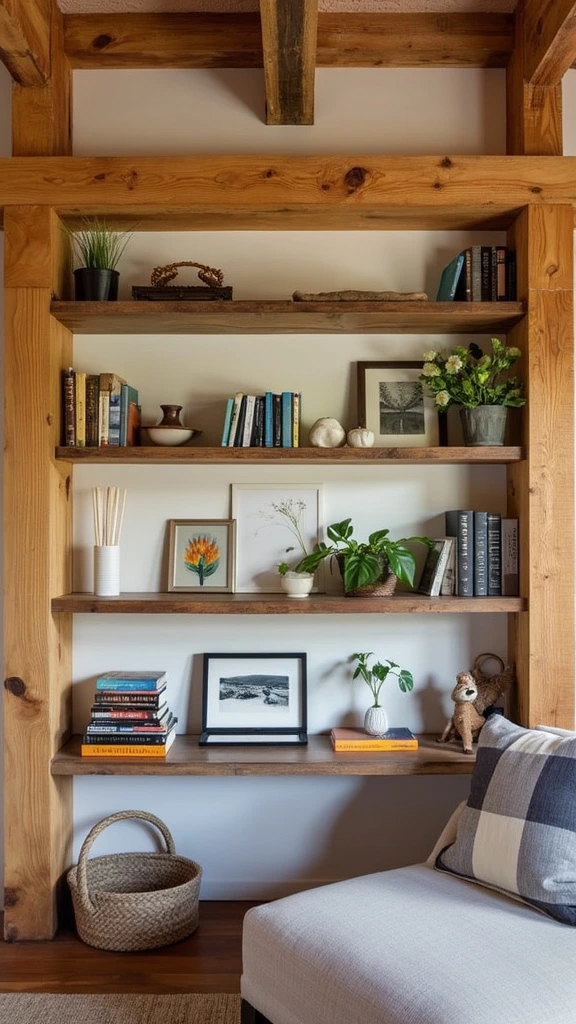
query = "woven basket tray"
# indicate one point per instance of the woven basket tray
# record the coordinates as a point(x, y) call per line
point(130, 901)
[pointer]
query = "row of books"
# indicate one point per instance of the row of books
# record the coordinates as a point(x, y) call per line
point(262, 421)
point(478, 557)
point(130, 717)
point(481, 273)
point(100, 409)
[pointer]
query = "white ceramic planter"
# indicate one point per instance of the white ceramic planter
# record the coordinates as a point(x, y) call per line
point(376, 721)
point(107, 570)
point(297, 584)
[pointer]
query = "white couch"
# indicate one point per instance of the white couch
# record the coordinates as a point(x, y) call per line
point(411, 946)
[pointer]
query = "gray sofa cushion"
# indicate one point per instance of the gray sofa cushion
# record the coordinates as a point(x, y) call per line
point(517, 832)
point(412, 946)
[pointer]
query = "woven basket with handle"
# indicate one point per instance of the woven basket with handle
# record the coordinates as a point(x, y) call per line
point(129, 901)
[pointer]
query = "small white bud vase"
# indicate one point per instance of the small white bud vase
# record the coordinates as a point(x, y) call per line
point(107, 570)
point(376, 721)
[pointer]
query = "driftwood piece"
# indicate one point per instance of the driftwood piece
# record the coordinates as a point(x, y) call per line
point(354, 295)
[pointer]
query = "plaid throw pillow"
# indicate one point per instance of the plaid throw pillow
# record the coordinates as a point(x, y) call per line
point(517, 832)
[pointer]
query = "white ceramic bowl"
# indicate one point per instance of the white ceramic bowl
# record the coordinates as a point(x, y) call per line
point(170, 435)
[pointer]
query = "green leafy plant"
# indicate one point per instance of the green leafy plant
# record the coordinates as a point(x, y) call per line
point(376, 675)
point(469, 377)
point(364, 562)
point(96, 245)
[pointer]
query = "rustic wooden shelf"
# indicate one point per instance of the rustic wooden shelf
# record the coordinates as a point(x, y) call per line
point(317, 758)
point(189, 454)
point(278, 604)
point(287, 317)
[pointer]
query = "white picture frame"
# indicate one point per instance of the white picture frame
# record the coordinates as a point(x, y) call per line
point(264, 534)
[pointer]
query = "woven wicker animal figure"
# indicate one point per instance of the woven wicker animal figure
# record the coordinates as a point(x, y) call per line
point(491, 688)
point(465, 722)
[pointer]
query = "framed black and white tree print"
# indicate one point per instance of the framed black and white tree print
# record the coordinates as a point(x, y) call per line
point(395, 406)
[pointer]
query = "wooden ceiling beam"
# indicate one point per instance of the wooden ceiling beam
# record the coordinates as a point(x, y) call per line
point(327, 192)
point(25, 40)
point(549, 39)
point(234, 40)
point(289, 35)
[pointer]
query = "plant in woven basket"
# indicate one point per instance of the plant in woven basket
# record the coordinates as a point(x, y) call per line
point(366, 563)
point(375, 675)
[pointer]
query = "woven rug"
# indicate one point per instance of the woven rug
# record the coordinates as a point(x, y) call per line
point(119, 1009)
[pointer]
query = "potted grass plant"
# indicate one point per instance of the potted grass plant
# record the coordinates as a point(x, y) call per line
point(98, 250)
point(480, 384)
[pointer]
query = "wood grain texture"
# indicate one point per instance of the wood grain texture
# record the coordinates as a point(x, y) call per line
point(533, 112)
point(37, 644)
point(25, 40)
point(289, 31)
point(205, 40)
point(272, 192)
point(278, 604)
point(243, 317)
point(208, 961)
point(37, 251)
point(42, 115)
point(549, 39)
point(541, 489)
point(317, 758)
point(194, 455)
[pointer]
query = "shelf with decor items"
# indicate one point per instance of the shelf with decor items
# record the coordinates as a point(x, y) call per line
point(277, 604)
point(287, 317)
point(531, 198)
point(194, 454)
point(316, 758)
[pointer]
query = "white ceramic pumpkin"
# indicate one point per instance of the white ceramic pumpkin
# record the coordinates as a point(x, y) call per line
point(326, 433)
point(360, 437)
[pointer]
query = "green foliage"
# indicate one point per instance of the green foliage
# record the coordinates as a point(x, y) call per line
point(376, 675)
point(468, 377)
point(283, 568)
point(97, 246)
point(364, 563)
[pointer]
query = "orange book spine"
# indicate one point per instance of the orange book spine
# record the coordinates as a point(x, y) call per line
point(340, 745)
point(119, 750)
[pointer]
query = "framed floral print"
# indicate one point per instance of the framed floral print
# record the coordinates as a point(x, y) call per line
point(201, 555)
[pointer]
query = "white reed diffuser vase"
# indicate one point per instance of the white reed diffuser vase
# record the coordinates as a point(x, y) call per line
point(108, 505)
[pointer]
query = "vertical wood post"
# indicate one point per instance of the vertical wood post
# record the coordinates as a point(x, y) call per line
point(289, 40)
point(533, 112)
point(37, 559)
point(541, 489)
point(42, 114)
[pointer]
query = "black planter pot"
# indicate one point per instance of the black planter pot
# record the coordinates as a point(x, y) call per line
point(91, 284)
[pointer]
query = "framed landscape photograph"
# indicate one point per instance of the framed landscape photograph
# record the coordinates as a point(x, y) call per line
point(254, 698)
point(275, 523)
point(201, 555)
point(396, 407)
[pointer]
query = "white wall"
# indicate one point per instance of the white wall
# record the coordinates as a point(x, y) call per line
point(264, 837)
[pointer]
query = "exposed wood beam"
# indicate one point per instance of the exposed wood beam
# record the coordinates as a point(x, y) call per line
point(25, 40)
point(549, 37)
point(533, 112)
point(326, 192)
point(42, 114)
point(289, 34)
point(235, 41)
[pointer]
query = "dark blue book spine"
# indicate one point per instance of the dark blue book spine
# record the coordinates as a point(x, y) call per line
point(277, 420)
point(268, 421)
point(460, 524)
point(494, 555)
point(480, 554)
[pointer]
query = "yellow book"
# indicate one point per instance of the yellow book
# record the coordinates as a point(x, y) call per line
point(296, 420)
point(359, 740)
point(122, 750)
point(80, 384)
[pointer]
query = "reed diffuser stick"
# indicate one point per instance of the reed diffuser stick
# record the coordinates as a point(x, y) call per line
point(108, 504)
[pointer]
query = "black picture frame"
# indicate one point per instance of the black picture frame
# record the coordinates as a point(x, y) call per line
point(259, 732)
point(364, 416)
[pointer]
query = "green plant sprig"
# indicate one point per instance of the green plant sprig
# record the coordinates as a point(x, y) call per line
point(364, 562)
point(468, 377)
point(376, 675)
point(96, 245)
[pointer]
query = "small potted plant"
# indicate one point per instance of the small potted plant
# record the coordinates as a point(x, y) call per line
point(294, 583)
point(375, 675)
point(369, 569)
point(98, 251)
point(479, 384)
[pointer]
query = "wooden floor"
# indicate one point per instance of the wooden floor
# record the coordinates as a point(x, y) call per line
point(209, 961)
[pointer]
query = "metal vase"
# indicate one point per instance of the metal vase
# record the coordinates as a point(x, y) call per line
point(484, 426)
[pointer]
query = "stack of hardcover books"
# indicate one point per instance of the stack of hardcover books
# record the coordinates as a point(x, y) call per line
point(262, 421)
point(100, 410)
point(482, 273)
point(130, 717)
point(477, 558)
point(360, 740)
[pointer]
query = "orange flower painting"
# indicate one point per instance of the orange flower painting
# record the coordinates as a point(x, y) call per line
point(202, 556)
